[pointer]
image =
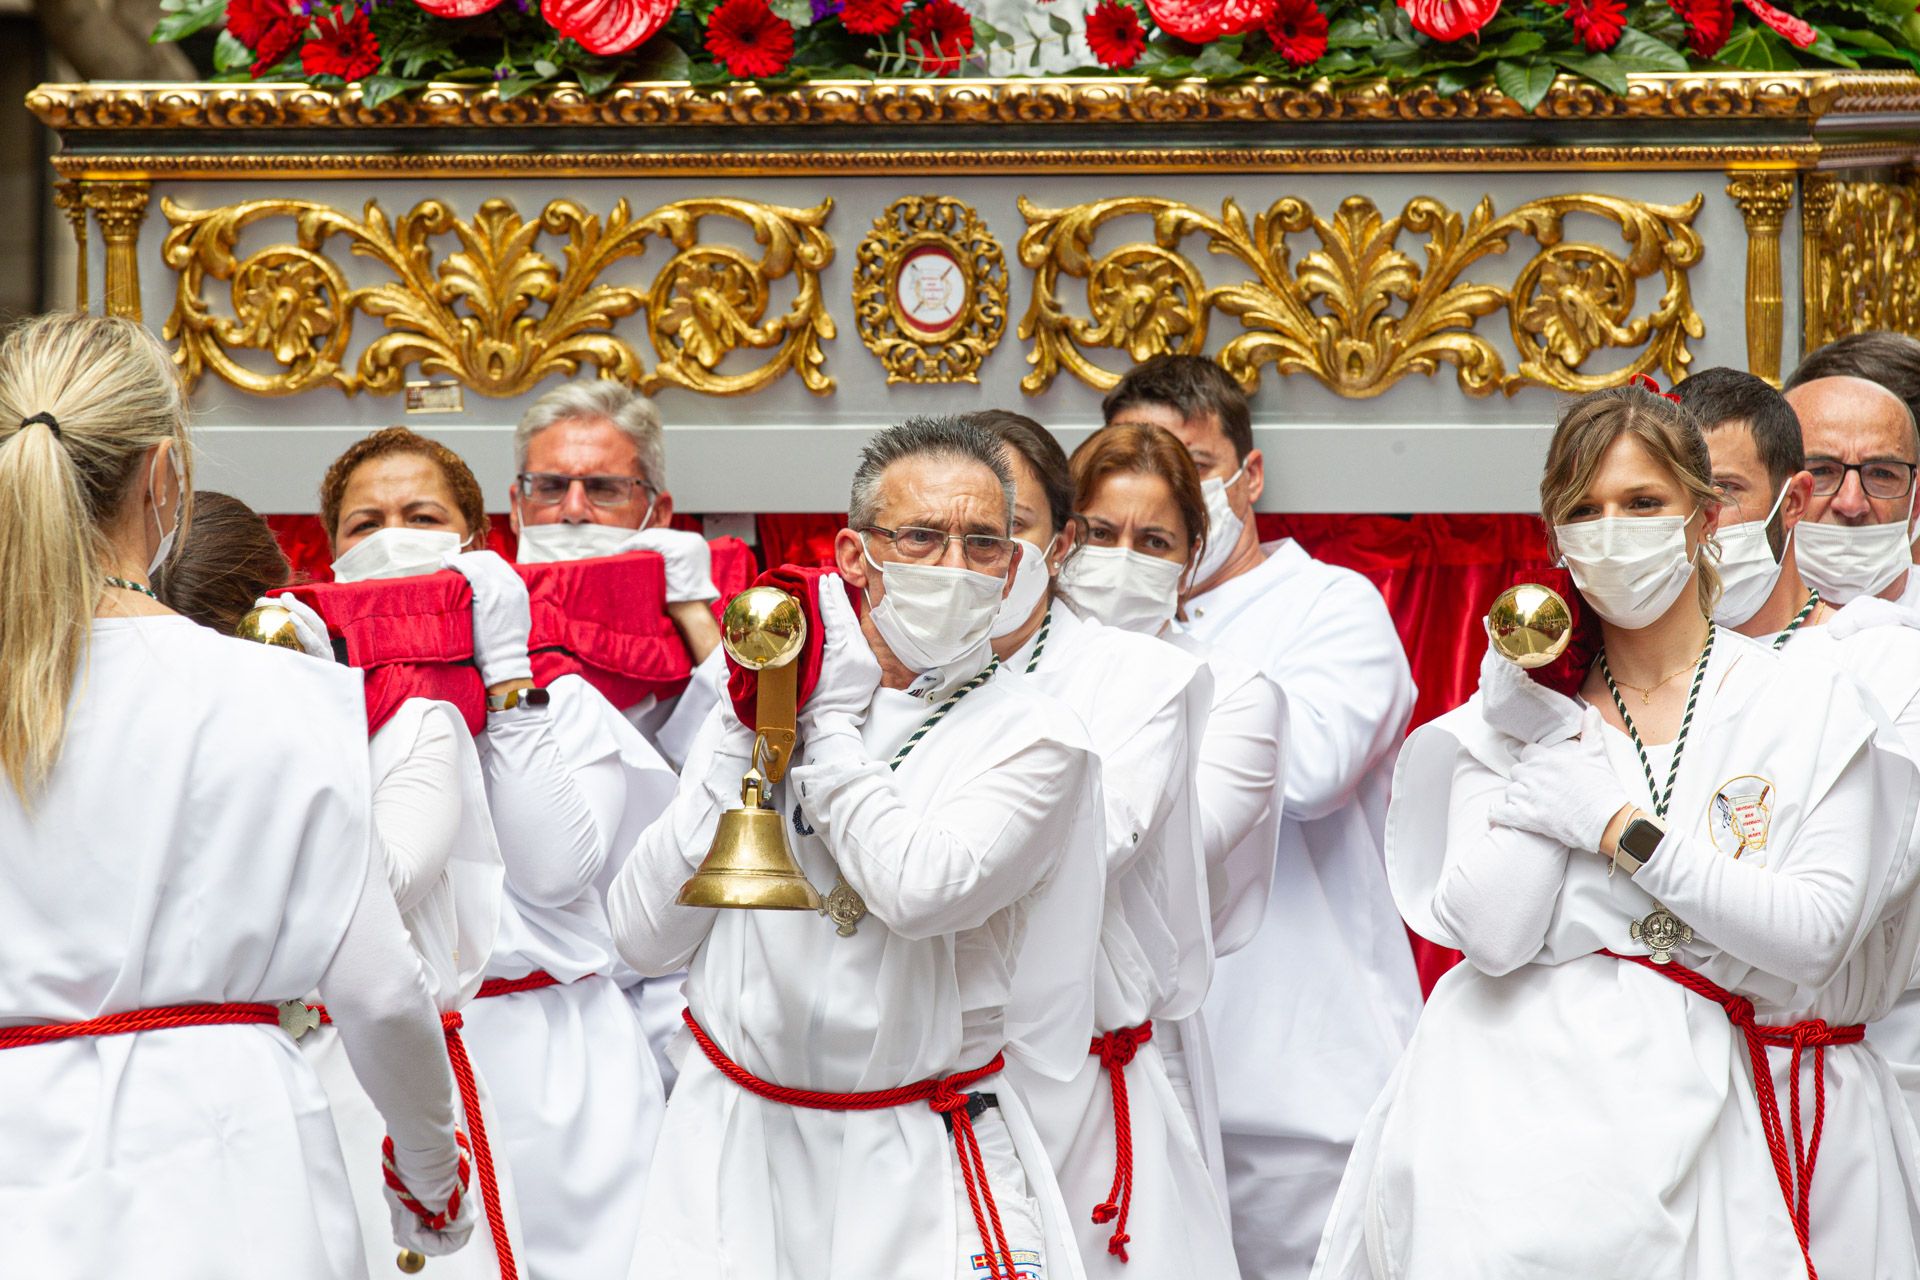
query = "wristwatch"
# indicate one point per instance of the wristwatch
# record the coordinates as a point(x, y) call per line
point(1637, 843)
point(517, 698)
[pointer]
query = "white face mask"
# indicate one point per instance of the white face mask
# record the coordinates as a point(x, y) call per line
point(1845, 562)
point(1123, 588)
point(546, 543)
point(395, 553)
point(1629, 568)
point(167, 536)
point(1748, 570)
point(932, 616)
point(1224, 526)
point(1030, 579)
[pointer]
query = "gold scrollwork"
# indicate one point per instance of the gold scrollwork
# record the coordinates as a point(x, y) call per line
point(498, 313)
point(970, 260)
point(1862, 265)
point(1358, 313)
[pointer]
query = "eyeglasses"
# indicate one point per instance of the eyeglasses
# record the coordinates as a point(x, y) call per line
point(983, 551)
point(546, 489)
point(1880, 479)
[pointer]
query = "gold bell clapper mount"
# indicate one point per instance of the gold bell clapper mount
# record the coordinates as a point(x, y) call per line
point(269, 624)
point(1529, 625)
point(410, 1262)
point(750, 864)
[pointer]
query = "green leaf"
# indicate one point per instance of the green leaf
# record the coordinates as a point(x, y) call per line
point(795, 13)
point(1216, 61)
point(229, 54)
point(513, 86)
point(1525, 82)
point(657, 59)
point(1597, 67)
point(1516, 47)
point(544, 69)
point(1455, 80)
point(1824, 49)
point(1638, 53)
point(1059, 25)
point(183, 22)
point(1858, 40)
point(377, 88)
point(1755, 48)
point(1352, 33)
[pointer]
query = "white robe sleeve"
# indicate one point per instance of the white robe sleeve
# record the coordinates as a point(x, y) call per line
point(1242, 762)
point(416, 810)
point(706, 689)
point(1497, 891)
point(928, 872)
point(1349, 693)
point(555, 823)
point(1139, 778)
point(376, 994)
point(1796, 919)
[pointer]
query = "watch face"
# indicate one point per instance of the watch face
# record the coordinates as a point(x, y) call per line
point(930, 291)
point(1640, 839)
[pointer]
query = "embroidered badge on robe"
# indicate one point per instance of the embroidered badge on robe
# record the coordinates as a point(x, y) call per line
point(1740, 816)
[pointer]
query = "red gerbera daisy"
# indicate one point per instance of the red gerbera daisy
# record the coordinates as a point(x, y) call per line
point(268, 27)
point(872, 17)
point(1201, 21)
point(1450, 19)
point(747, 38)
point(940, 32)
point(1115, 35)
point(1597, 24)
point(342, 46)
point(1299, 31)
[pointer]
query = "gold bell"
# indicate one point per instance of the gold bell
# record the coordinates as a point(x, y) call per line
point(268, 624)
point(750, 863)
point(1530, 625)
point(410, 1262)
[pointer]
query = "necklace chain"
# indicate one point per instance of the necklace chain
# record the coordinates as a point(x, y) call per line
point(130, 585)
point(1806, 611)
point(1662, 797)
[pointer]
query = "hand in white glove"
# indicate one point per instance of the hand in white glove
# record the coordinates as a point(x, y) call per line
point(689, 562)
point(1566, 791)
point(1521, 707)
point(310, 627)
point(409, 1232)
point(849, 673)
point(1868, 612)
point(502, 616)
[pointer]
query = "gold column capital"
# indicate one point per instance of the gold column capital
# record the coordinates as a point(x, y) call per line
point(118, 210)
point(1764, 197)
point(69, 199)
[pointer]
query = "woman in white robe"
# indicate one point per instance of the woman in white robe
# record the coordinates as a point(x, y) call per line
point(1567, 1106)
point(185, 831)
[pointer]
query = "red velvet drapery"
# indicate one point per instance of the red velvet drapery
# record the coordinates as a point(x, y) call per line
point(1438, 573)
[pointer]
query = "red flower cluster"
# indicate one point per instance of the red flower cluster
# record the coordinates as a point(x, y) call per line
point(341, 46)
point(268, 27)
point(872, 17)
point(1597, 24)
point(1201, 21)
point(940, 33)
point(1299, 31)
point(749, 39)
point(604, 27)
point(1115, 35)
point(1450, 19)
point(1709, 23)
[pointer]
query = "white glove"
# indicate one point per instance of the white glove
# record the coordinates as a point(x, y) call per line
point(1566, 791)
point(1868, 612)
point(308, 626)
point(849, 673)
point(410, 1233)
point(1521, 707)
point(502, 616)
point(689, 562)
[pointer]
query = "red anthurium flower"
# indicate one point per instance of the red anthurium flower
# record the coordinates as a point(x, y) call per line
point(268, 27)
point(1199, 21)
point(872, 17)
point(1450, 19)
point(1796, 32)
point(607, 27)
point(749, 39)
point(1298, 30)
point(1597, 24)
point(1709, 23)
point(1115, 35)
point(940, 32)
point(343, 46)
point(456, 8)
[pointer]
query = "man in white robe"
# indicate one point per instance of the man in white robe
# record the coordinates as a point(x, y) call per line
point(1310, 1016)
point(936, 806)
point(1861, 452)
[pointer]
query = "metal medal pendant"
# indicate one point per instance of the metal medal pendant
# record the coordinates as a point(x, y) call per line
point(844, 907)
point(1662, 931)
point(297, 1017)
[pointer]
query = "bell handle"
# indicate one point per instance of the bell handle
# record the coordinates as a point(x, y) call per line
point(775, 711)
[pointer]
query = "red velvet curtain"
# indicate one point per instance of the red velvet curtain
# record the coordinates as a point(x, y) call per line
point(1438, 573)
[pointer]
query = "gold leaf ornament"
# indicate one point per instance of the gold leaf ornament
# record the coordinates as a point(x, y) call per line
point(972, 298)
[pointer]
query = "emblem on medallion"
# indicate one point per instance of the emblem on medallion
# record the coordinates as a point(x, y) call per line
point(1740, 815)
point(1662, 931)
point(844, 907)
point(297, 1017)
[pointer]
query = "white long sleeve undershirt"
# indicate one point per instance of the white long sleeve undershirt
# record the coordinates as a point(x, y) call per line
point(416, 810)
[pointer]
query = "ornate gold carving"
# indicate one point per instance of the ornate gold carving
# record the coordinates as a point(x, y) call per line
point(1816, 203)
point(1764, 198)
point(1334, 315)
point(1704, 96)
point(118, 209)
point(69, 200)
point(1865, 272)
point(950, 230)
point(498, 313)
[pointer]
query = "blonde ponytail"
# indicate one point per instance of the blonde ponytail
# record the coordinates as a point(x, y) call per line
point(82, 400)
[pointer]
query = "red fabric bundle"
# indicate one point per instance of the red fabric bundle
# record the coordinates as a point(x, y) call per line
point(743, 686)
point(733, 569)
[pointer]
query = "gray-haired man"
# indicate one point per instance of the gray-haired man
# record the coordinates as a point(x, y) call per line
point(841, 1072)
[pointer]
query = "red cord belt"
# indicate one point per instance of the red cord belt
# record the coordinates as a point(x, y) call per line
point(947, 1096)
point(1792, 1165)
point(1116, 1050)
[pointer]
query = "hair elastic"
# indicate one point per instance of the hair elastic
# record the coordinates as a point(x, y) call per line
point(53, 424)
point(1646, 381)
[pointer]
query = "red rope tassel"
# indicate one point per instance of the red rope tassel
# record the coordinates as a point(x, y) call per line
point(947, 1096)
point(1116, 1050)
point(164, 1018)
point(482, 1149)
point(1792, 1165)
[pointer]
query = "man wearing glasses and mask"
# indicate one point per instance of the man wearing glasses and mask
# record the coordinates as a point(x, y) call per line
point(841, 1112)
point(1861, 452)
